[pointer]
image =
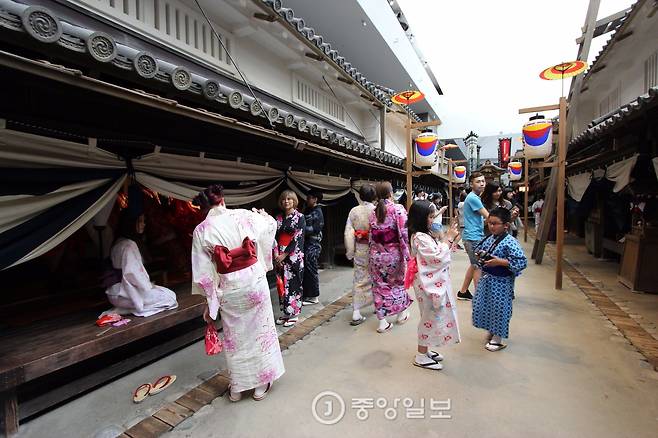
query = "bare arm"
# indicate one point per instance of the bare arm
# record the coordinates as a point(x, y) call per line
point(484, 213)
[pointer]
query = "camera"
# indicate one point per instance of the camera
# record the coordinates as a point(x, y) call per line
point(482, 257)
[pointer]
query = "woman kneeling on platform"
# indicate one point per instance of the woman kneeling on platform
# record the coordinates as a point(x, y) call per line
point(133, 291)
point(231, 253)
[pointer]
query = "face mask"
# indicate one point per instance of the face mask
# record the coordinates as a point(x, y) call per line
point(436, 226)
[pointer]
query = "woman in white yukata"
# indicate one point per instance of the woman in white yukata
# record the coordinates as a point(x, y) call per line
point(429, 269)
point(357, 232)
point(231, 253)
point(132, 291)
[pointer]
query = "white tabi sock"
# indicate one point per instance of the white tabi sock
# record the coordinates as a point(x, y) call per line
point(356, 315)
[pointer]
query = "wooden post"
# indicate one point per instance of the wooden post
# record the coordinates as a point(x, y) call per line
point(561, 156)
point(525, 197)
point(9, 412)
point(450, 188)
point(409, 166)
point(382, 128)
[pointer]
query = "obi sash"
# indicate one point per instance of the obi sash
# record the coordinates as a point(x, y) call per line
point(384, 237)
point(361, 236)
point(231, 260)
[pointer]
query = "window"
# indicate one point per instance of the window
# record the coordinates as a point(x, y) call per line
point(651, 71)
point(610, 102)
point(311, 97)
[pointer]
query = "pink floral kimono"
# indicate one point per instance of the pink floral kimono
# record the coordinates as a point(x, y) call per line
point(389, 252)
point(251, 344)
point(438, 314)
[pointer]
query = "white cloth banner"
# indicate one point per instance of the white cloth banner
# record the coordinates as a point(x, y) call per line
point(577, 185)
point(19, 149)
point(75, 225)
point(187, 192)
point(173, 166)
point(620, 173)
point(302, 189)
point(16, 209)
point(655, 165)
point(321, 182)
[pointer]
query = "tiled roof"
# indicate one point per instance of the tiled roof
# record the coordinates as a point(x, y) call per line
point(46, 27)
point(601, 126)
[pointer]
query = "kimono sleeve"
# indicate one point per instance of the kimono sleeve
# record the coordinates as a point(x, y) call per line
point(350, 239)
point(431, 256)
point(204, 275)
point(403, 236)
point(135, 280)
point(265, 228)
point(515, 255)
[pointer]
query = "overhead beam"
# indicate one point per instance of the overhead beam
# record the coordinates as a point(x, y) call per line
point(420, 125)
point(538, 109)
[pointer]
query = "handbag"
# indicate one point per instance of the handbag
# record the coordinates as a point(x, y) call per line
point(213, 343)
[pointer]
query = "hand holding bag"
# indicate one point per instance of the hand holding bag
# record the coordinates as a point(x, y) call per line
point(213, 343)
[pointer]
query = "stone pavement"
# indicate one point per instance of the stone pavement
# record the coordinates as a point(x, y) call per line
point(567, 372)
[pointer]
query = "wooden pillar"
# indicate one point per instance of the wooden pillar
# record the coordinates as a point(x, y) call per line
point(562, 156)
point(382, 128)
point(409, 166)
point(9, 412)
point(450, 187)
point(526, 166)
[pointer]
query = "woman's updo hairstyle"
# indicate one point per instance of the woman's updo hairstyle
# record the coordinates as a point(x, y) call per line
point(210, 197)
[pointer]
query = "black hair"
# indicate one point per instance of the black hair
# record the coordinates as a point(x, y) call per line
point(487, 195)
point(474, 175)
point(314, 193)
point(367, 193)
point(417, 218)
point(127, 226)
point(209, 197)
point(462, 196)
point(501, 213)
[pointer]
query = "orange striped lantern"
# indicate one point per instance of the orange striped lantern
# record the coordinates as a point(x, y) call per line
point(515, 170)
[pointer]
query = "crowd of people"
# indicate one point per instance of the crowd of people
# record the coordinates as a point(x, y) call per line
point(393, 251)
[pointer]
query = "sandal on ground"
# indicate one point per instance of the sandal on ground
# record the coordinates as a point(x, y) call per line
point(494, 346)
point(234, 397)
point(162, 383)
point(262, 396)
point(489, 337)
point(403, 320)
point(290, 322)
point(358, 321)
point(280, 320)
point(435, 355)
point(388, 327)
point(141, 392)
point(428, 366)
point(310, 301)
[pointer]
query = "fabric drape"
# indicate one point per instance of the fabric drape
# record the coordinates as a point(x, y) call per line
point(577, 185)
point(620, 173)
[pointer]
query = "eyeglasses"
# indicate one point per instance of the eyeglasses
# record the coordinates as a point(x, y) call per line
point(493, 224)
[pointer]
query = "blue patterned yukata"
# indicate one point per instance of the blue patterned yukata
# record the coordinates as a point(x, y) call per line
point(492, 303)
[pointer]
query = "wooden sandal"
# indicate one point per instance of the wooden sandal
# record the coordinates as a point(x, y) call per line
point(141, 392)
point(261, 397)
point(162, 383)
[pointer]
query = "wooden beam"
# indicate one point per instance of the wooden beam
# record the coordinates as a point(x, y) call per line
point(265, 17)
point(450, 189)
point(419, 125)
point(525, 197)
point(562, 156)
point(409, 164)
point(421, 173)
point(538, 109)
point(9, 403)
point(544, 165)
point(347, 81)
point(313, 56)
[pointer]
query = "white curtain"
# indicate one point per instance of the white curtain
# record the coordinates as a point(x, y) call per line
point(332, 187)
point(620, 173)
point(196, 168)
point(655, 165)
point(19, 149)
point(16, 209)
point(577, 185)
point(86, 216)
point(187, 192)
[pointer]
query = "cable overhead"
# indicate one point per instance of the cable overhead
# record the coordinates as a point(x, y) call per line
point(235, 64)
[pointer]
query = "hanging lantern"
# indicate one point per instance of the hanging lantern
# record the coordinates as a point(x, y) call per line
point(515, 170)
point(537, 138)
point(459, 174)
point(426, 148)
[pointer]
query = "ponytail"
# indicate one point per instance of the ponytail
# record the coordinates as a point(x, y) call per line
point(384, 191)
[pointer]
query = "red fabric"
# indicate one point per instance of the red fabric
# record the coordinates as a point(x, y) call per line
point(285, 239)
point(361, 235)
point(412, 270)
point(213, 343)
point(280, 286)
point(231, 260)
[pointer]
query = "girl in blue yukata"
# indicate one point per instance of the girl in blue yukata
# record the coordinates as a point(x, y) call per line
point(502, 260)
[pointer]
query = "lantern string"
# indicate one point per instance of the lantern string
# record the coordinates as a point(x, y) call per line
point(235, 64)
point(346, 111)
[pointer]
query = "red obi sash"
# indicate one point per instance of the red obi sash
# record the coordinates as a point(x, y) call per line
point(361, 236)
point(235, 259)
point(285, 239)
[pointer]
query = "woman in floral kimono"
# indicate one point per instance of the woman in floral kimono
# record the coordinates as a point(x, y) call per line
point(231, 253)
point(289, 258)
point(131, 290)
point(429, 269)
point(389, 252)
point(502, 260)
point(357, 232)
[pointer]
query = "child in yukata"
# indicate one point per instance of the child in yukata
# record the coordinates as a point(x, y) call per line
point(502, 260)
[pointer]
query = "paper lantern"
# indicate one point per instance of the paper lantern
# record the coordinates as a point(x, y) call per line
point(515, 170)
point(459, 174)
point(537, 138)
point(426, 148)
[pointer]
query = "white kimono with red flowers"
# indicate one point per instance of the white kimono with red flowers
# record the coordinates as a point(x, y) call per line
point(251, 343)
point(438, 314)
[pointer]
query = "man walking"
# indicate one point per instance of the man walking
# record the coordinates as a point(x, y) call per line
point(474, 217)
point(312, 248)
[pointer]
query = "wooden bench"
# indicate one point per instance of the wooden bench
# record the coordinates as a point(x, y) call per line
point(57, 345)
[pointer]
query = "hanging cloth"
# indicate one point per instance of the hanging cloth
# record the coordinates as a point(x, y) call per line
point(577, 185)
point(620, 173)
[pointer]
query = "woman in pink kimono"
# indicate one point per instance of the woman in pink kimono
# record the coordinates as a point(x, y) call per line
point(357, 232)
point(389, 252)
point(429, 269)
point(231, 252)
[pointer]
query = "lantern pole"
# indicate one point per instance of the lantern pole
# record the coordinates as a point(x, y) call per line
point(450, 187)
point(409, 165)
point(562, 156)
point(526, 167)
